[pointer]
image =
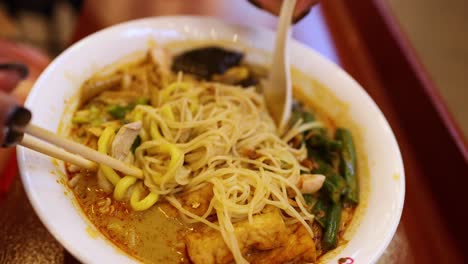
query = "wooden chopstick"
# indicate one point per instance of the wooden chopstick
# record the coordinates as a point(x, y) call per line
point(82, 150)
point(53, 151)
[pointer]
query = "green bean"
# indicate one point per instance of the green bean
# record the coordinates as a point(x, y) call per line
point(308, 117)
point(295, 115)
point(334, 186)
point(141, 101)
point(318, 139)
point(298, 113)
point(320, 211)
point(330, 237)
point(334, 145)
point(118, 111)
point(348, 164)
point(324, 147)
point(309, 199)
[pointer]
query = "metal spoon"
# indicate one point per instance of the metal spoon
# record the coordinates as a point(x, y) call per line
point(278, 89)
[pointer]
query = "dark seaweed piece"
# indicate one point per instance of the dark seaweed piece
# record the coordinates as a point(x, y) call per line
point(204, 62)
point(250, 81)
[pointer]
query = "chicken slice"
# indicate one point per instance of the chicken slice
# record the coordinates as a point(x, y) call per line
point(267, 231)
point(299, 248)
point(311, 183)
point(123, 141)
point(162, 58)
point(97, 85)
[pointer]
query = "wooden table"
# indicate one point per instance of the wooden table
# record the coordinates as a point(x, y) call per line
point(362, 37)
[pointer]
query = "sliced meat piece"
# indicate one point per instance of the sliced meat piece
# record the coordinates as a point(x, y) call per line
point(207, 246)
point(123, 141)
point(162, 58)
point(120, 98)
point(299, 248)
point(97, 85)
point(198, 201)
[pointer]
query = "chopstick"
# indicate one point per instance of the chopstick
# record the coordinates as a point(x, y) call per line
point(56, 152)
point(62, 145)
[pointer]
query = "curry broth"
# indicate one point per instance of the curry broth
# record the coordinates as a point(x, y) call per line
point(156, 235)
point(150, 235)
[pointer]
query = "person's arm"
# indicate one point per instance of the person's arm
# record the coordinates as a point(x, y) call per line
point(273, 6)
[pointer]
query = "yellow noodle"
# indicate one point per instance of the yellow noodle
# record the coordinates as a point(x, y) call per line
point(199, 133)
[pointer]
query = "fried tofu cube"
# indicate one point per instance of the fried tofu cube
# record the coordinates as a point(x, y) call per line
point(267, 231)
point(299, 248)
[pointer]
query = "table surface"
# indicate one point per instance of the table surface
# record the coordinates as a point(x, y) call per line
point(439, 34)
point(25, 239)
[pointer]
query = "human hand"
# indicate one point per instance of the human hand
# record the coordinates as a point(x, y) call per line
point(10, 75)
point(13, 89)
point(274, 6)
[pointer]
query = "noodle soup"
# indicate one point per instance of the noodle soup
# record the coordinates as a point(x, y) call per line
point(220, 183)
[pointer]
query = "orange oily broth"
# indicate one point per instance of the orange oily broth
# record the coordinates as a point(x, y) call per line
point(150, 236)
point(153, 236)
point(159, 235)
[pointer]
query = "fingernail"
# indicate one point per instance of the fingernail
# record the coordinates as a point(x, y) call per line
point(302, 15)
point(20, 68)
point(19, 117)
point(255, 3)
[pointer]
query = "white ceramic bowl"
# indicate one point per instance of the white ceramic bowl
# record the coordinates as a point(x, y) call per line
point(58, 84)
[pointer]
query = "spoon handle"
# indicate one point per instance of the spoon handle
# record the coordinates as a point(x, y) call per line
point(279, 94)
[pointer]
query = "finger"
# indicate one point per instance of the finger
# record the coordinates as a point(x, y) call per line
point(8, 81)
point(12, 117)
point(22, 90)
point(303, 8)
point(11, 74)
point(7, 105)
point(274, 6)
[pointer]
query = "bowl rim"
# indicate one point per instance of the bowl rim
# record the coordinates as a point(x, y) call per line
point(138, 22)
